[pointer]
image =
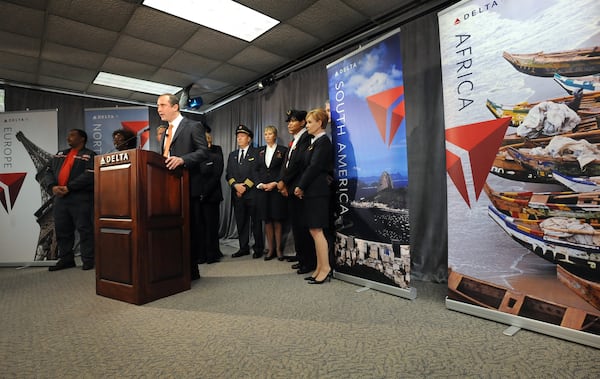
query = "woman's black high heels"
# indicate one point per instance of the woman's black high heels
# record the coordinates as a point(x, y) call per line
point(309, 278)
point(326, 279)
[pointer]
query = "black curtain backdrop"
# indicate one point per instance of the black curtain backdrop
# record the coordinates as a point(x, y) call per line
point(307, 89)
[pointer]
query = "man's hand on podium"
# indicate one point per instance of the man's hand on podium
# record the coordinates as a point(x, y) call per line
point(174, 162)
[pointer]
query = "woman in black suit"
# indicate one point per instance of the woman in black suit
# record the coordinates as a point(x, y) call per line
point(272, 205)
point(314, 190)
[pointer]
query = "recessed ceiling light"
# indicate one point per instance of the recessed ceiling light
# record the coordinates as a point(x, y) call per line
point(225, 16)
point(125, 82)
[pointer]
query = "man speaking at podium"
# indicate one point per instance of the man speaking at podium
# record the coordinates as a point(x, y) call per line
point(184, 144)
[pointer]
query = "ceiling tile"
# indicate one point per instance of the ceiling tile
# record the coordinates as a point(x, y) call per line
point(19, 45)
point(232, 74)
point(138, 50)
point(287, 41)
point(106, 14)
point(317, 21)
point(54, 82)
point(258, 60)
point(76, 34)
point(59, 70)
point(21, 20)
point(192, 64)
point(124, 67)
point(18, 63)
point(210, 43)
point(152, 25)
point(74, 57)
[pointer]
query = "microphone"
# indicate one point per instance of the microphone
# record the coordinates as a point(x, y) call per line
point(145, 129)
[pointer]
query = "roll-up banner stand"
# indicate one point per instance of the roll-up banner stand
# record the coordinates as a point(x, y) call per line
point(522, 108)
point(366, 93)
point(29, 140)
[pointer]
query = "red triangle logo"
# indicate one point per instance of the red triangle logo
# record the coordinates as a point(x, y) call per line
point(480, 142)
point(136, 127)
point(379, 105)
point(10, 185)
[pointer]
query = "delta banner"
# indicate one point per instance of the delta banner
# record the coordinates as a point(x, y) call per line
point(522, 107)
point(100, 123)
point(29, 140)
point(366, 93)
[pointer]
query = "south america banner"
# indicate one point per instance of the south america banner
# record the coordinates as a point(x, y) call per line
point(366, 94)
point(100, 123)
point(521, 107)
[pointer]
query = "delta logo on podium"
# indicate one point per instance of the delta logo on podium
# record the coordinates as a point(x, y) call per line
point(380, 104)
point(470, 153)
point(10, 185)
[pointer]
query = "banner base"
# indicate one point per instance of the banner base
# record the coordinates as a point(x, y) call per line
point(28, 264)
point(526, 323)
point(408, 293)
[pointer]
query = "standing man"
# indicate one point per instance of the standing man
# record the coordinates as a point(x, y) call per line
point(211, 196)
point(70, 178)
point(242, 171)
point(184, 145)
point(291, 171)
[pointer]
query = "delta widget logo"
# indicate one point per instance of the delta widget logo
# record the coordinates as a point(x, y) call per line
point(470, 153)
point(10, 185)
point(380, 103)
point(138, 128)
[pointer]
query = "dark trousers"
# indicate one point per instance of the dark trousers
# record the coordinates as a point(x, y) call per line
point(74, 212)
point(246, 219)
point(303, 241)
point(208, 231)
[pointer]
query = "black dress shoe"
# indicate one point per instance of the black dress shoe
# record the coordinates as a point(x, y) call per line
point(62, 264)
point(87, 266)
point(195, 275)
point(213, 260)
point(201, 261)
point(295, 266)
point(292, 259)
point(240, 254)
point(304, 270)
point(269, 257)
point(257, 254)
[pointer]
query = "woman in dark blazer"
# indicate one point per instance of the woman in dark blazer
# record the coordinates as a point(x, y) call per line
point(314, 189)
point(271, 204)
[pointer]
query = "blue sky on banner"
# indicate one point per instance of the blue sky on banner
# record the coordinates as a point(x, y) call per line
point(367, 72)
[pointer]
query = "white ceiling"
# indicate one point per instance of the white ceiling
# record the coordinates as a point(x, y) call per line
point(63, 44)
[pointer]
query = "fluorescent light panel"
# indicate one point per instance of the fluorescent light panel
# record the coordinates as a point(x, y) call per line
point(125, 82)
point(225, 16)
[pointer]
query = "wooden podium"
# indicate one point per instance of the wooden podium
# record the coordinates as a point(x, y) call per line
point(142, 236)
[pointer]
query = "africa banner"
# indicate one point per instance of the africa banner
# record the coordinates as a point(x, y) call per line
point(366, 93)
point(521, 107)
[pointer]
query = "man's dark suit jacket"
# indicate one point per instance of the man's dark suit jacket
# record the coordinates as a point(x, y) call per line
point(212, 170)
point(291, 174)
point(245, 173)
point(189, 143)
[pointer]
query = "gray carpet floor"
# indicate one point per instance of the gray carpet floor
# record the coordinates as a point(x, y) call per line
point(249, 318)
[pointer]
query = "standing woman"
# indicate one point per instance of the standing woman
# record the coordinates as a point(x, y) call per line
point(314, 189)
point(271, 204)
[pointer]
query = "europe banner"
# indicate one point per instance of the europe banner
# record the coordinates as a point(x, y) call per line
point(522, 111)
point(100, 123)
point(366, 94)
point(29, 140)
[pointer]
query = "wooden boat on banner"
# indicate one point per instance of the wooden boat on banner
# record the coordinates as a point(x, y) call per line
point(589, 83)
point(588, 108)
point(505, 166)
point(491, 296)
point(585, 258)
point(586, 287)
point(578, 183)
point(577, 62)
point(542, 205)
point(545, 165)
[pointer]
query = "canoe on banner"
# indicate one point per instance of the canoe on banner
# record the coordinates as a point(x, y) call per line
point(542, 205)
point(578, 183)
point(551, 243)
point(545, 165)
point(491, 296)
point(505, 166)
point(577, 62)
point(590, 83)
point(585, 287)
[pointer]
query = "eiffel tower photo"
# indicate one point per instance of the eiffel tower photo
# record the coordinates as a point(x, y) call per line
point(46, 247)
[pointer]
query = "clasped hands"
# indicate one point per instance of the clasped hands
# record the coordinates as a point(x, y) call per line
point(60, 191)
